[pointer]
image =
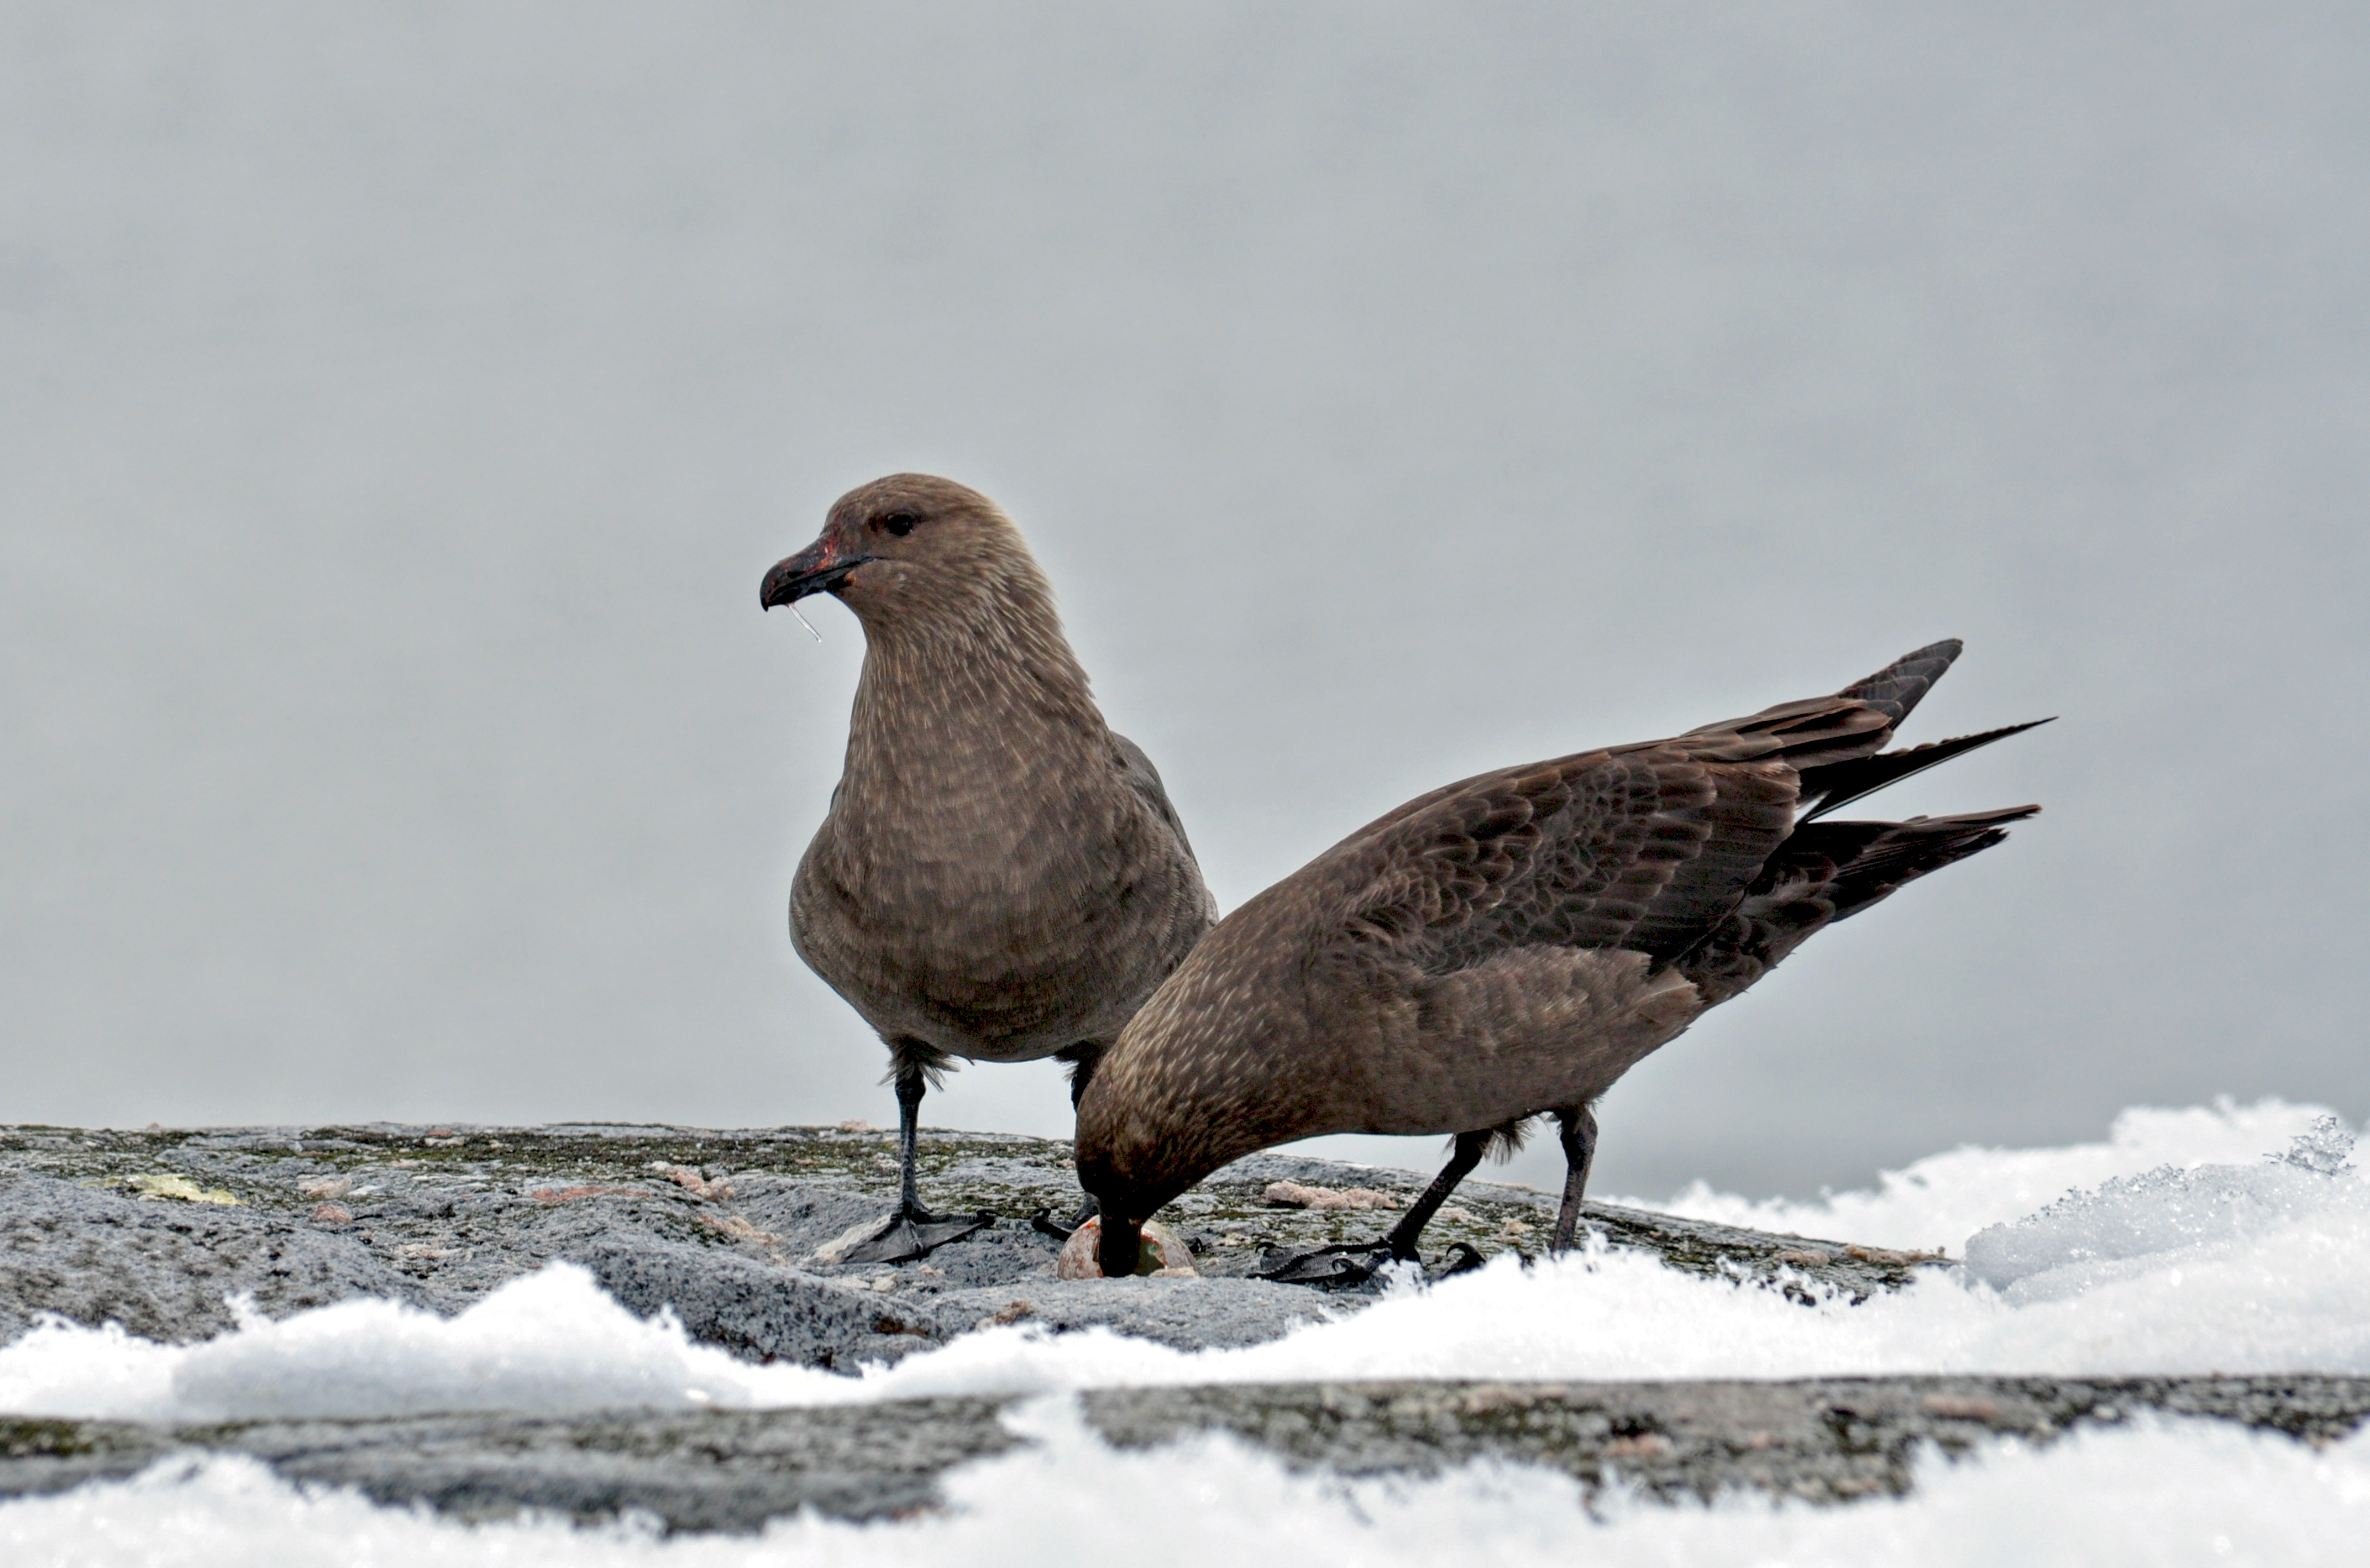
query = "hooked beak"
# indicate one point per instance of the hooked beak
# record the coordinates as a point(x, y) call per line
point(1120, 1246)
point(818, 569)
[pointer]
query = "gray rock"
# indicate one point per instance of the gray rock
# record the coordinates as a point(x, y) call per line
point(165, 1270)
point(725, 1470)
point(439, 1217)
point(1187, 1314)
point(761, 1312)
point(1825, 1440)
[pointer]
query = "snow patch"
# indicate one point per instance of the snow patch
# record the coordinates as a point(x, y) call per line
point(1941, 1199)
point(550, 1343)
point(2132, 1225)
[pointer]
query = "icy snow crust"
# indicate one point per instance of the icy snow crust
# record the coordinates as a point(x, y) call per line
point(2225, 1239)
point(1941, 1199)
point(2131, 1225)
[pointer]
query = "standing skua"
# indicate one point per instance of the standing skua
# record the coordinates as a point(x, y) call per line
point(1000, 877)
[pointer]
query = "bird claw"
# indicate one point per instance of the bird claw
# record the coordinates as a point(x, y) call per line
point(1463, 1258)
point(1044, 1224)
point(1350, 1263)
point(905, 1237)
point(1344, 1264)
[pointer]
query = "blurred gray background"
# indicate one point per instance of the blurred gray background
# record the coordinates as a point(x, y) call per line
point(402, 402)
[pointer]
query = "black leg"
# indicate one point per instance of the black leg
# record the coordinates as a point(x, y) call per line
point(1337, 1264)
point(912, 1084)
point(912, 1231)
point(1461, 1161)
point(1082, 1058)
point(1578, 1154)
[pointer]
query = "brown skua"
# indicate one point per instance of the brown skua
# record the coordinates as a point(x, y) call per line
point(1509, 946)
point(1000, 877)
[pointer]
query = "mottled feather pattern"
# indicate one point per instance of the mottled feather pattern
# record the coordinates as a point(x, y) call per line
point(1000, 876)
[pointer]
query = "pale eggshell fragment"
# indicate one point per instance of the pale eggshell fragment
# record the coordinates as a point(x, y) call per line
point(1163, 1254)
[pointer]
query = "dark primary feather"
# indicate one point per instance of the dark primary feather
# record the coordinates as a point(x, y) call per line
point(1827, 871)
point(1901, 684)
point(1839, 784)
point(1600, 850)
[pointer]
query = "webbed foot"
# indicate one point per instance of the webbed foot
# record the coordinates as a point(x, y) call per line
point(915, 1233)
point(1044, 1224)
point(1343, 1263)
point(1463, 1258)
point(1350, 1263)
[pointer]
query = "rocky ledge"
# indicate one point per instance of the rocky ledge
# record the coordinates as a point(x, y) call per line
point(158, 1230)
point(1831, 1440)
point(737, 1232)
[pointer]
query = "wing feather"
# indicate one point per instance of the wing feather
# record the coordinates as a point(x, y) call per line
point(1643, 848)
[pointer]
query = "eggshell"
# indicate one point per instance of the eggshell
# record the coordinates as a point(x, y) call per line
point(1163, 1253)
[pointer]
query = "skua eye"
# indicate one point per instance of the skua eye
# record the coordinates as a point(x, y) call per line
point(899, 522)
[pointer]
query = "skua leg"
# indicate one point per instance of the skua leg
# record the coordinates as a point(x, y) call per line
point(912, 1084)
point(1579, 1124)
point(1338, 1263)
point(1082, 1058)
point(1461, 1161)
point(912, 1231)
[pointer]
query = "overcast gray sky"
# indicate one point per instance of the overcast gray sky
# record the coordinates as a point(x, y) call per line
point(402, 402)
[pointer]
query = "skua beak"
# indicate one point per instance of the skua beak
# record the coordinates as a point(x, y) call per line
point(1120, 1246)
point(818, 569)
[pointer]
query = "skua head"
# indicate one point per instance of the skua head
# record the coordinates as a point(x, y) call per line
point(915, 550)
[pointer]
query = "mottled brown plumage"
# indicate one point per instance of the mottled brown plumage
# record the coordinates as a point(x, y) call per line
point(1511, 945)
point(1000, 877)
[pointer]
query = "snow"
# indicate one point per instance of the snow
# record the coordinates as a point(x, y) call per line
point(2224, 1239)
point(551, 1343)
point(2130, 1226)
point(1944, 1198)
